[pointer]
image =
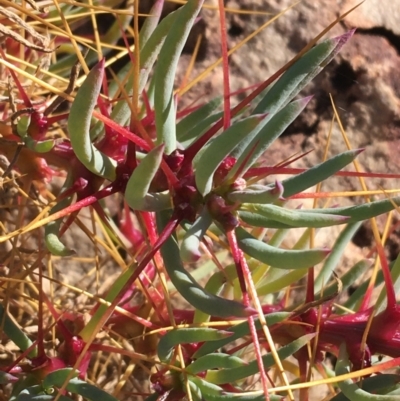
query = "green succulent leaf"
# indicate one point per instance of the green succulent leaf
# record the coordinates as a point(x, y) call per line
point(347, 279)
point(233, 374)
point(153, 45)
point(298, 218)
point(276, 257)
point(372, 384)
point(136, 192)
point(51, 232)
point(212, 392)
point(300, 182)
point(277, 284)
point(218, 149)
point(190, 246)
point(53, 242)
point(248, 153)
point(357, 296)
point(354, 214)
point(289, 85)
point(199, 130)
point(39, 146)
point(364, 211)
point(79, 126)
point(184, 336)
point(195, 118)
point(261, 194)
point(151, 23)
point(63, 65)
point(254, 219)
point(214, 361)
point(335, 256)
point(14, 333)
point(58, 377)
point(89, 391)
point(76, 386)
point(189, 288)
point(239, 331)
point(36, 394)
point(300, 74)
point(164, 105)
point(214, 285)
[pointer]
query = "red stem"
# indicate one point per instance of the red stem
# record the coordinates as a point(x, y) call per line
point(310, 285)
point(390, 292)
point(303, 396)
point(40, 339)
point(151, 230)
point(21, 90)
point(257, 350)
point(237, 258)
point(243, 270)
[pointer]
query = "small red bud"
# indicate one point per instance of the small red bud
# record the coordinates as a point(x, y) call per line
point(223, 169)
point(174, 160)
point(239, 185)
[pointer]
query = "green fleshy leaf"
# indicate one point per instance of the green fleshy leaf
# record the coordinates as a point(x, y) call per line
point(151, 23)
point(151, 49)
point(212, 392)
point(88, 391)
point(380, 382)
point(362, 212)
point(262, 194)
point(51, 232)
point(239, 331)
point(186, 336)
point(299, 74)
point(291, 82)
point(58, 377)
point(348, 278)
point(218, 149)
point(136, 192)
point(188, 287)
point(14, 333)
point(199, 130)
point(266, 135)
point(79, 121)
point(233, 374)
point(190, 246)
point(335, 256)
point(318, 173)
point(164, 105)
point(298, 218)
point(214, 361)
point(77, 386)
point(191, 121)
point(280, 258)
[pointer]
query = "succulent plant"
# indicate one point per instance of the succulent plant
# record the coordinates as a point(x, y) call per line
point(196, 184)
